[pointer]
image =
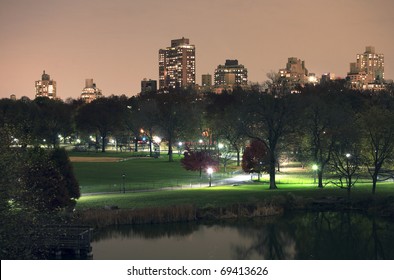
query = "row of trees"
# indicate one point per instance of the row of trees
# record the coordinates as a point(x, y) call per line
point(328, 125)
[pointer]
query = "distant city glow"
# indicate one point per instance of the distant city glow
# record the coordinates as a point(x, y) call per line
point(119, 62)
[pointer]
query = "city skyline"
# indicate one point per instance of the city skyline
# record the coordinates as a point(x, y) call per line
point(116, 43)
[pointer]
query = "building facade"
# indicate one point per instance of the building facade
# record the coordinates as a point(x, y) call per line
point(90, 91)
point(148, 86)
point(45, 87)
point(177, 65)
point(295, 71)
point(206, 80)
point(231, 74)
point(367, 70)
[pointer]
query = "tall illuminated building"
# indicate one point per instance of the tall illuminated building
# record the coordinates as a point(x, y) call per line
point(295, 71)
point(368, 69)
point(231, 74)
point(45, 87)
point(177, 65)
point(90, 92)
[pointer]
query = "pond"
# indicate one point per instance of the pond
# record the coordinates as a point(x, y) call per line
point(301, 236)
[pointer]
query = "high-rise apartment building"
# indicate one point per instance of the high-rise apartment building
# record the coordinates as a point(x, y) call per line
point(368, 69)
point(295, 71)
point(231, 74)
point(177, 65)
point(45, 87)
point(90, 91)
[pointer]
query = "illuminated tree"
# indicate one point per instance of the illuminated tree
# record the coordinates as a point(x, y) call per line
point(198, 160)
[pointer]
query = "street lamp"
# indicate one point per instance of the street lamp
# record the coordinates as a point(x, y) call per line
point(123, 179)
point(210, 171)
point(314, 168)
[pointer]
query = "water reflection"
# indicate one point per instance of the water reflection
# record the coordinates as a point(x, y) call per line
point(320, 235)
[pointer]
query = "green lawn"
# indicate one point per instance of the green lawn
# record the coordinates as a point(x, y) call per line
point(109, 153)
point(143, 173)
point(226, 195)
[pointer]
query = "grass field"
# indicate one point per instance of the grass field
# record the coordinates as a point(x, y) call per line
point(141, 173)
point(144, 173)
point(225, 195)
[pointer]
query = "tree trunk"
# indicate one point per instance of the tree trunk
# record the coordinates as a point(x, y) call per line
point(320, 178)
point(170, 158)
point(374, 181)
point(150, 147)
point(375, 174)
point(272, 172)
point(136, 144)
point(103, 144)
point(150, 142)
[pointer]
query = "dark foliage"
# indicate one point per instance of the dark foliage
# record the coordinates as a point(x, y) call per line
point(255, 158)
point(198, 160)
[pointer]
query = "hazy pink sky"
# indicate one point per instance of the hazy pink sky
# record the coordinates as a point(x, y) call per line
point(116, 42)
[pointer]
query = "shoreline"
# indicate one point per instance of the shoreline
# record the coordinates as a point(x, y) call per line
point(112, 215)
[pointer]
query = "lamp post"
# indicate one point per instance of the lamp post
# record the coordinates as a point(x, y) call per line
point(210, 171)
point(314, 168)
point(123, 179)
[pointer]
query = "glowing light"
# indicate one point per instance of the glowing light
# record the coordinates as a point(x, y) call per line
point(157, 139)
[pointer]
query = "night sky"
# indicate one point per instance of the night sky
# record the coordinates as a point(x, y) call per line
point(116, 42)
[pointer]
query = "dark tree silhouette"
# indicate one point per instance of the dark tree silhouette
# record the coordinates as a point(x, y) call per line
point(322, 122)
point(269, 119)
point(55, 118)
point(255, 158)
point(102, 116)
point(176, 116)
point(378, 126)
point(48, 181)
point(223, 116)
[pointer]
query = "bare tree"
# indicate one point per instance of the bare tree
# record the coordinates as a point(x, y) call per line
point(378, 136)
